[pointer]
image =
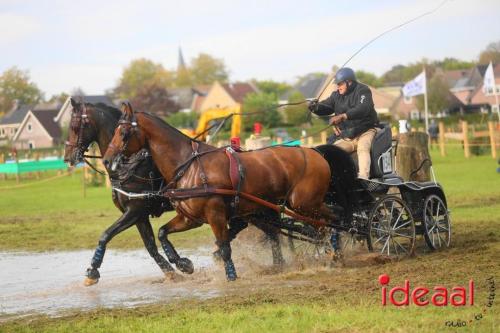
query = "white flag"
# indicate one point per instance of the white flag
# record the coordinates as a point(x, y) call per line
point(489, 80)
point(415, 87)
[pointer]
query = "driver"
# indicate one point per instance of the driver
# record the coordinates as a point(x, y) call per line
point(351, 107)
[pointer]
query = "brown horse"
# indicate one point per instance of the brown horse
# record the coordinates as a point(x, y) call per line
point(296, 175)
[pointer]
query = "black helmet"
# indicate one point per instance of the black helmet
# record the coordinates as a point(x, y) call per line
point(345, 74)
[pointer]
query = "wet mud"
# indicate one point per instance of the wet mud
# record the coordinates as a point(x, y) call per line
point(52, 283)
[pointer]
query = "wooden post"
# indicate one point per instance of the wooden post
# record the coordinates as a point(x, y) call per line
point(323, 137)
point(17, 171)
point(465, 135)
point(441, 139)
point(37, 158)
point(491, 129)
point(2, 160)
point(413, 149)
point(310, 141)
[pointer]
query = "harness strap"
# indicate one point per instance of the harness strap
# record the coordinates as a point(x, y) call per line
point(180, 194)
point(236, 173)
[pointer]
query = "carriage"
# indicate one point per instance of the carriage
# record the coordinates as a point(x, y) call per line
point(384, 212)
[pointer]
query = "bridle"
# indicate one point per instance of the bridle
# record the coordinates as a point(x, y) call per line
point(126, 133)
point(79, 121)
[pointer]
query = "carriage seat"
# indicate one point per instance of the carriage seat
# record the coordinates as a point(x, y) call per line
point(382, 143)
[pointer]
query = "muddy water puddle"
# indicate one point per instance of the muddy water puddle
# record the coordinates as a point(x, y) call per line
point(50, 283)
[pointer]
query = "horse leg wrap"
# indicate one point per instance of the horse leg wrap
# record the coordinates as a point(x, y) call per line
point(235, 226)
point(98, 256)
point(277, 254)
point(164, 265)
point(169, 249)
point(225, 251)
point(335, 240)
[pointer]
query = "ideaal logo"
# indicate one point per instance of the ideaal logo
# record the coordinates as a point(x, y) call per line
point(441, 296)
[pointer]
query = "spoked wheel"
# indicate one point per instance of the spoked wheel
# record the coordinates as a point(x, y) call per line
point(391, 228)
point(436, 223)
point(317, 249)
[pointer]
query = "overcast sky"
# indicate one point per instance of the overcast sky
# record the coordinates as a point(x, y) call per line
point(69, 44)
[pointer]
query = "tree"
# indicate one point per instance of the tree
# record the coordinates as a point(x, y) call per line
point(206, 69)
point(264, 105)
point(296, 114)
point(449, 64)
point(403, 73)
point(491, 53)
point(60, 98)
point(369, 78)
point(437, 95)
point(183, 119)
point(139, 73)
point(15, 85)
point(154, 98)
point(272, 87)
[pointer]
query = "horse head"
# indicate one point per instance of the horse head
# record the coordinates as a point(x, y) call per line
point(80, 135)
point(127, 139)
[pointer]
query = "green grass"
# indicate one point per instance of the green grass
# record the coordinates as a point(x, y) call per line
point(318, 300)
point(54, 215)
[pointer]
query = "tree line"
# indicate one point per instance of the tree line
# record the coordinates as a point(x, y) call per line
point(148, 85)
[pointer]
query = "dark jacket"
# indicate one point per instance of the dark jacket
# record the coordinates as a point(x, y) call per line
point(357, 103)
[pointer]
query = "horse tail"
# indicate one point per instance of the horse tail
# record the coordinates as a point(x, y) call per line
point(343, 182)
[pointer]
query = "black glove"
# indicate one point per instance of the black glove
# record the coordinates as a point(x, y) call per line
point(313, 105)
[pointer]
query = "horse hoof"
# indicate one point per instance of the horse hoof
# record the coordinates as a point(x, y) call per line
point(89, 282)
point(185, 265)
point(92, 277)
point(230, 270)
point(231, 277)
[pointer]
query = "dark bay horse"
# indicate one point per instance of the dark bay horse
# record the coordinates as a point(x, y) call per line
point(96, 123)
point(300, 176)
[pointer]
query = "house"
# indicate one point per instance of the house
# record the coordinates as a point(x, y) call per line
point(190, 98)
point(10, 123)
point(469, 89)
point(406, 108)
point(309, 86)
point(64, 115)
point(484, 101)
point(38, 129)
point(200, 93)
point(226, 95)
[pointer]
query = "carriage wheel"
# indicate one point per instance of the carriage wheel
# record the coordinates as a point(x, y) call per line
point(436, 222)
point(305, 250)
point(391, 228)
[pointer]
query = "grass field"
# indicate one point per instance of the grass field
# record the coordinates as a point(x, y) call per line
point(345, 299)
point(54, 215)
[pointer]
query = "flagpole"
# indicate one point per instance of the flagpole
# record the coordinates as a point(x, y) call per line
point(496, 96)
point(425, 104)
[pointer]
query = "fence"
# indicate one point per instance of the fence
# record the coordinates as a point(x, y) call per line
point(465, 136)
point(468, 138)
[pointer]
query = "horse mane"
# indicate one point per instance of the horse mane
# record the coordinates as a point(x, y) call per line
point(104, 107)
point(162, 123)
